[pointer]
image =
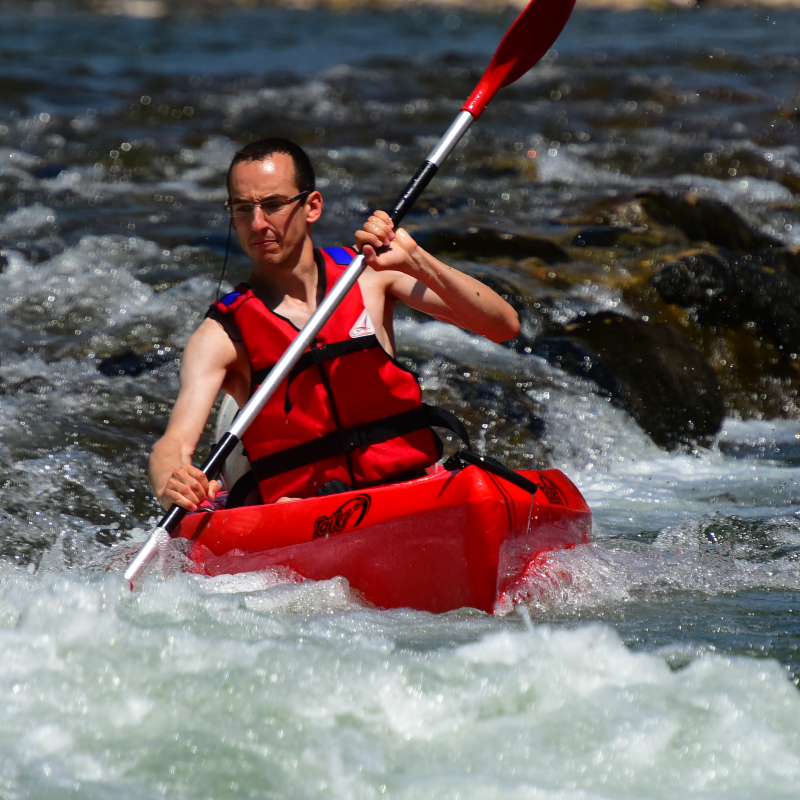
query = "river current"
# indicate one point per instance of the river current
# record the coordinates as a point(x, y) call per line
point(668, 662)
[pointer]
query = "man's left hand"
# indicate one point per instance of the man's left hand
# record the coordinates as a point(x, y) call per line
point(382, 246)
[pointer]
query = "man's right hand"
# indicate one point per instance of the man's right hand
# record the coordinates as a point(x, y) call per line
point(188, 487)
point(209, 364)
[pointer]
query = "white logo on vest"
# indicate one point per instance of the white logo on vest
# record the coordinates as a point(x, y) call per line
point(363, 326)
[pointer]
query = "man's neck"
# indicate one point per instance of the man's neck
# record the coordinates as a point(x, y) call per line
point(290, 288)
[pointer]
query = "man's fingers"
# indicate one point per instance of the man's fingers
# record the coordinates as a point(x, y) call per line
point(177, 498)
point(383, 229)
point(188, 487)
point(377, 231)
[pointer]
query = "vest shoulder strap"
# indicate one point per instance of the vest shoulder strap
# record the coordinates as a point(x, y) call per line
point(339, 255)
point(227, 304)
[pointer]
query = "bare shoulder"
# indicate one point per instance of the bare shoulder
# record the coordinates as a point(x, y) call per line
point(211, 343)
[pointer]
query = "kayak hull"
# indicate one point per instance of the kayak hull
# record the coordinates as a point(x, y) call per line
point(437, 543)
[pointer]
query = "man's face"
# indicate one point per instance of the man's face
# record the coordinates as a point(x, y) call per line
point(277, 239)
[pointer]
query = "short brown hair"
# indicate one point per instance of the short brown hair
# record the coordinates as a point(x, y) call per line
point(264, 148)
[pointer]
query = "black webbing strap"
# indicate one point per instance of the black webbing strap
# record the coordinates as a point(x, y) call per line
point(442, 418)
point(492, 465)
point(241, 490)
point(327, 352)
point(313, 357)
point(257, 377)
point(338, 443)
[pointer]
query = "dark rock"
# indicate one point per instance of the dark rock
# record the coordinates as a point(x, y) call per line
point(486, 243)
point(705, 283)
point(131, 362)
point(648, 369)
point(46, 171)
point(733, 291)
point(704, 219)
point(495, 412)
point(623, 212)
point(600, 236)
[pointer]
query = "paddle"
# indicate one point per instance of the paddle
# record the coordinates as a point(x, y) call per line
point(525, 42)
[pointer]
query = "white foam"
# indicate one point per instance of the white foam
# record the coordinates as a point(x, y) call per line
point(28, 219)
point(316, 700)
point(754, 431)
point(749, 189)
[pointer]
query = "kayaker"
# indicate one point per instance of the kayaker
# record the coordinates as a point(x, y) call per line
point(273, 204)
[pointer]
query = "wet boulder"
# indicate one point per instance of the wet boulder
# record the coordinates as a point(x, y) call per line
point(600, 236)
point(704, 219)
point(621, 211)
point(132, 362)
point(480, 244)
point(650, 370)
point(621, 222)
point(732, 291)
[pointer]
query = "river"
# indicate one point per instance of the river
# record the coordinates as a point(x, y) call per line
point(668, 664)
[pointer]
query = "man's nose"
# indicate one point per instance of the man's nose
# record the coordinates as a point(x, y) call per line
point(258, 221)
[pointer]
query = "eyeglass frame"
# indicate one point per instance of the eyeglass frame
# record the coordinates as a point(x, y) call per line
point(229, 206)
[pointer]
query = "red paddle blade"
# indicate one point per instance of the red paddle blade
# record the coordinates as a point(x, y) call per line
point(525, 42)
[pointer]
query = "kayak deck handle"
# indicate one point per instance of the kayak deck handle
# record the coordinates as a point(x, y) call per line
point(492, 465)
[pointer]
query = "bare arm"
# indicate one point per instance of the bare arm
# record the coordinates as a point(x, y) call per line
point(207, 363)
point(431, 286)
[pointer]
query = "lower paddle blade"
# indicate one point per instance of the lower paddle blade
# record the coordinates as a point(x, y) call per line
point(525, 42)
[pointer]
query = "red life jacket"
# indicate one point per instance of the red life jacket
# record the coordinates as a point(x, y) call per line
point(348, 410)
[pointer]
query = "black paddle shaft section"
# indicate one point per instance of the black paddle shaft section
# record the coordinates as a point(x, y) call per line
point(501, 470)
point(224, 447)
point(416, 186)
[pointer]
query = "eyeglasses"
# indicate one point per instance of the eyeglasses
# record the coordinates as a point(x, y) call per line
point(270, 207)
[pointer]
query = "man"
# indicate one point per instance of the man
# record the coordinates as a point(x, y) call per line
point(273, 204)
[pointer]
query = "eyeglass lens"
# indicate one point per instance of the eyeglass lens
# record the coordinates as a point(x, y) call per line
point(272, 206)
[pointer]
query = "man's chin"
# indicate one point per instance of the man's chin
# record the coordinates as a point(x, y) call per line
point(271, 260)
point(269, 252)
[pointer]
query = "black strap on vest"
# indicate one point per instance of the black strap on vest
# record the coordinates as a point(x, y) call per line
point(338, 443)
point(327, 352)
point(314, 357)
point(241, 491)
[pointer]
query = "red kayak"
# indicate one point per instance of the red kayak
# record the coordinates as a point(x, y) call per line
point(440, 542)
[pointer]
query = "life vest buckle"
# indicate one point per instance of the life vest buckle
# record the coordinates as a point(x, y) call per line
point(316, 355)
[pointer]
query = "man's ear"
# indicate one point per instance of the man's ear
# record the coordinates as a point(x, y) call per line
point(313, 206)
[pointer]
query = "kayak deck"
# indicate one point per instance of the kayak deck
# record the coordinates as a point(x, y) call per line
point(437, 543)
